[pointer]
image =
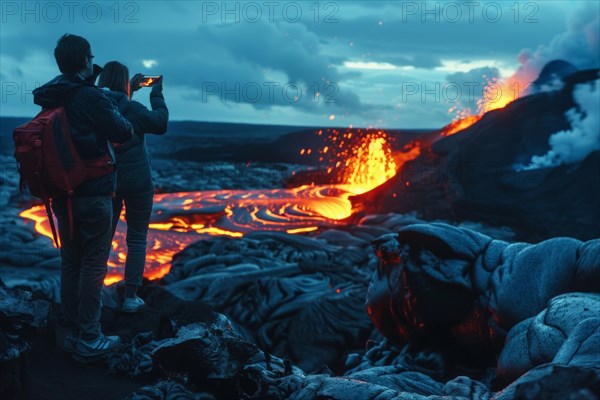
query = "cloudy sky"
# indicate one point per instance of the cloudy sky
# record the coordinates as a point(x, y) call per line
point(394, 64)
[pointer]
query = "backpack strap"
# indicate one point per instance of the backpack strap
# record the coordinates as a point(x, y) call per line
point(70, 194)
point(46, 200)
point(21, 181)
point(44, 193)
point(70, 212)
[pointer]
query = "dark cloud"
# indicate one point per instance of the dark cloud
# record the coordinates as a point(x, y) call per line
point(227, 63)
point(284, 47)
point(206, 64)
point(408, 39)
point(293, 51)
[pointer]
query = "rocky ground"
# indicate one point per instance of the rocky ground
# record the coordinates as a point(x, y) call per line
point(269, 315)
point(298, 298)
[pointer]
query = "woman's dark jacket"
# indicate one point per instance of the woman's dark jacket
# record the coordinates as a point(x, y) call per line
point(133, 155)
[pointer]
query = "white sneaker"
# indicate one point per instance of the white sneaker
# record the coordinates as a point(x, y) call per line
point(101, 345)
point(132, 305)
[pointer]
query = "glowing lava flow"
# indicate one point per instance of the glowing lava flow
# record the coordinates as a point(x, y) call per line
point(179, 219)
point(496, 94)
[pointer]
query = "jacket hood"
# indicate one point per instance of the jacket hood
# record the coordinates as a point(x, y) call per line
point(54, 93)
point(119, 98)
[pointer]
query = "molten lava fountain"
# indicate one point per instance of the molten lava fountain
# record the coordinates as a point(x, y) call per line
point(496, 94)
point(361, 162)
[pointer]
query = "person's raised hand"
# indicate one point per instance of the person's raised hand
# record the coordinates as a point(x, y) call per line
point(135, 82)
point(158, 85)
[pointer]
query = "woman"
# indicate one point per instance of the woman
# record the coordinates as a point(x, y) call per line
point(134, 176)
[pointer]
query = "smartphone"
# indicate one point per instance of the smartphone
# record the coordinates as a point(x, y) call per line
point(150, 80)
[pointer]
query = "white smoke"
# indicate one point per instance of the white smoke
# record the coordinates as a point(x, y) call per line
point(579, 45)
point(567, 147)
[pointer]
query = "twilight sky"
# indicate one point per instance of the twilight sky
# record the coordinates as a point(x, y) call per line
point(390, 64)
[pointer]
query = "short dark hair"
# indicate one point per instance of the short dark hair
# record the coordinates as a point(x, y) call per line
point(71, 52)
point(114, 76)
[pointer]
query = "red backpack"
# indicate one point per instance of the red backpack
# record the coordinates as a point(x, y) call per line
point(49, 164)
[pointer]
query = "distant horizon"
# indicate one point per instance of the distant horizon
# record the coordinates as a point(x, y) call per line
point(257, 124)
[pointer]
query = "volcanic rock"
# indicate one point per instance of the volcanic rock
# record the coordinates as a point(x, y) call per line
point(205, 352)
point(553, 70)
point(562, 383)
point(168, 390)
point(571, 317)
point(21, 320)
point(299, 297)
point(462, 290)
point(135, 358)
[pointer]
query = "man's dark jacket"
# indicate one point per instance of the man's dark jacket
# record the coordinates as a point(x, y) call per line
point(94, 121)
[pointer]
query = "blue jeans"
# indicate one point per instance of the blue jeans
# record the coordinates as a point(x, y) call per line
point(136, 191)
point(83, 261)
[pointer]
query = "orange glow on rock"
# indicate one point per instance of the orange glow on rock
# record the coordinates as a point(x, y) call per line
point(460, 124)
point(497, 94)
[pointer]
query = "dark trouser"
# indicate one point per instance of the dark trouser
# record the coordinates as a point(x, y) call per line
point(84, 260)
point(135, 189)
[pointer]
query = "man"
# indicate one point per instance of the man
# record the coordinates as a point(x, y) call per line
point(93, 121)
